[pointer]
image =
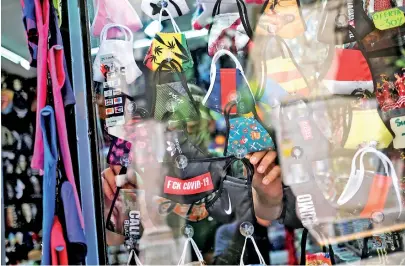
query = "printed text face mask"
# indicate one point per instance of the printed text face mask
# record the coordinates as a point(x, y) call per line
point(227, 85)
point(169, 47)
point(230, 31)
point(120, 12)
point(114, 55)
point(152, 8)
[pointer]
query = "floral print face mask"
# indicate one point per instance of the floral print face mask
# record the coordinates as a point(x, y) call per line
point(169, 47)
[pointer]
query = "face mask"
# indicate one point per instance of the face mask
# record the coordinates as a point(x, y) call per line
point(121, 13)
point(173, 101)
point(245, 135)
point(348, 71)
point(233, 199)
point(228, 84)
point(281, 17)
point(359, 133)
point(169, 47)
point(152, 8)
point(230, 31)
point(281, 75)
point(355, 181)
point(202, 18)
point(338, 17)
point(191, 212)
point(187, 180)
point(115, 55)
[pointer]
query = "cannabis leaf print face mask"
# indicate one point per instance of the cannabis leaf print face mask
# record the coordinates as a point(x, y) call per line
point(169, 47)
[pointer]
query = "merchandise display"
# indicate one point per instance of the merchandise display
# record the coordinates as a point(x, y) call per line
point(216, 132)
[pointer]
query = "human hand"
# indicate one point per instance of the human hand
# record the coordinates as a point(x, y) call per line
point(267, 185)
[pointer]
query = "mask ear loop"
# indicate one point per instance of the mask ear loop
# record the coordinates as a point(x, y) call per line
point(124, 29)
point(304, 247)
point(213, 74)
point(137, 260)
point(183, 81)
point(120, 180)
point(356, 176)
point(189, 232)
point(249, 235)
point(175, 26)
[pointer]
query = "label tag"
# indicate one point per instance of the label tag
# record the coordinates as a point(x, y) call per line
point(195, 185)
point(398, 127)
point(390, 18)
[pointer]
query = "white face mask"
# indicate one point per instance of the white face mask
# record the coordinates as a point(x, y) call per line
point(115, 54)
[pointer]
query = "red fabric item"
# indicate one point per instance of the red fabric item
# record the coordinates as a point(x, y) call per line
point(377, 195)
point(228, 86)
point(58, 244)
point(55, 63)
point(349, 65)
point(290, 247)
point(381, 5)
point(42, 17)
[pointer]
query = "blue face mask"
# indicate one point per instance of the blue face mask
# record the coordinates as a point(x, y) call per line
point(228, 84)
point(245, 135)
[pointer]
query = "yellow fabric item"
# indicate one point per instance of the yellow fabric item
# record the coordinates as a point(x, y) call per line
point(57, 4)
point(367, 126)
point(280, 64)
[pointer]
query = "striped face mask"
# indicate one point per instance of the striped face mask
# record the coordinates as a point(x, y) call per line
point(228, 84)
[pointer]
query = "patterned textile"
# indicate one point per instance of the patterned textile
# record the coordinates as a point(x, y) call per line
point(247, 135)
point(172, 46)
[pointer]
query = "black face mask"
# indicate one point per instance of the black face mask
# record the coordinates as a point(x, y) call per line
point(173, 101)
point(233, 200)
point(338, 16)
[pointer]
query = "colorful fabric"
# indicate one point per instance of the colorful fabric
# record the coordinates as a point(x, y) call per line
point(49, 184)
point(58, 244)
point(42, 13)
point(169, 46)
point(228, 84)
point(30, 25)
point(57, 73)
point(228, 33)
point(248, 135)
point(349, 71)
point(283, 18)
point(120, 12)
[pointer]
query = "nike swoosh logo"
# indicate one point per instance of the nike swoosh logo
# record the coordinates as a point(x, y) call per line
point(229, 210)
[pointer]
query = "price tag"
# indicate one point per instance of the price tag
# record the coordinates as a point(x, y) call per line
point(387, 19)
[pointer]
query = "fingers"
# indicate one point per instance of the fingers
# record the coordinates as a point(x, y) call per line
point(256, 157)
point(274, 173)
point(109, 186)
point(266, 161)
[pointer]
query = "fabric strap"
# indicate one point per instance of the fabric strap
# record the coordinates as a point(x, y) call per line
point(196, 250)
point(356, 176)
point(213, 71)
point(304, 248)
point(124, 29)
point(261, 259)
point(137, 260)
point(175, 26)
